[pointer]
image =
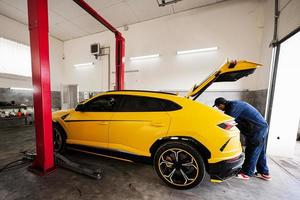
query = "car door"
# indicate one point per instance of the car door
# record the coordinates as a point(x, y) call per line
point(89, 125)
point(228, 72)
point(139, 122)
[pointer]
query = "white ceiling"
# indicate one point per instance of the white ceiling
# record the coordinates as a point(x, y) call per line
point(67, 20)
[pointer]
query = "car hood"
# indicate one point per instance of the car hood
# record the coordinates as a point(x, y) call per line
point(228, 72)
point(61, 113)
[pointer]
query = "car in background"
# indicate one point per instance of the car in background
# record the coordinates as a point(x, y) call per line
point(182, 137)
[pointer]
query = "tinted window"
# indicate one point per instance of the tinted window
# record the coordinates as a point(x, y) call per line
point(140, 104)
point(107, 103)
point(169, 105)
point(146, 104)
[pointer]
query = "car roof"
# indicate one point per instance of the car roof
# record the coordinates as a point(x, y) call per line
point(155, 94)
point(139, 91)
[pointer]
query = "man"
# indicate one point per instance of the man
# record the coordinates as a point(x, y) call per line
point(255, 129)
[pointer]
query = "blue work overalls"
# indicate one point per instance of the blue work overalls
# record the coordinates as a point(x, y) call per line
point(255, 131)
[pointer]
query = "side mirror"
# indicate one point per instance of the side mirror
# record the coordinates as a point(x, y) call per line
point(79, 107)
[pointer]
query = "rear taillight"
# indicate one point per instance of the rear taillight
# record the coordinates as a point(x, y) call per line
point(227, 125)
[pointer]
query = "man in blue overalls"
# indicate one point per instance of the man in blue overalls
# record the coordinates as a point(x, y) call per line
point(255, 129)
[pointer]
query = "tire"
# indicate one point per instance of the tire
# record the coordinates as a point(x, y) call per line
point(59, 138)
point(184, 172)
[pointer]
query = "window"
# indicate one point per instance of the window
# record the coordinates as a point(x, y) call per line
point(107, 103)
point(146, 104)
point(14, 58)
point(170, 105)
point(140, 104)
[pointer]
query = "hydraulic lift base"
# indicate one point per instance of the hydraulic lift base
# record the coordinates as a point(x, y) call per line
point(63, 162)
point(40, 172)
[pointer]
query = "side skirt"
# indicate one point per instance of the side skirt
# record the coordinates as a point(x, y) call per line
point(111, 154)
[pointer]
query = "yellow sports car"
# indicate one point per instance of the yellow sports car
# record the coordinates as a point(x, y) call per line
point(182, 137)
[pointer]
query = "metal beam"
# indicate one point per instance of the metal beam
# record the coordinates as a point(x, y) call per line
point(120, 42)
point(120, 52)
point(94, 14)
point(39, 46)
point(274, 64)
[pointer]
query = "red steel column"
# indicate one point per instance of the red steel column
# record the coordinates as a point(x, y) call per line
point(39, 45)
point(120, 55)
point(120, 42)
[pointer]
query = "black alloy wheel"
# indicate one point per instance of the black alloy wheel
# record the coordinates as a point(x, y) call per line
point(179, 165)
point(59, 139)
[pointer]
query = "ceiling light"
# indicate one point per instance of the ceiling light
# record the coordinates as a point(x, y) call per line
point(197, 50)
point(144, 57)
point(84, 65)
point(129, 71)
point(17, 88)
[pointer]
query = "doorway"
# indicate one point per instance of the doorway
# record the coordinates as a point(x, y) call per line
point(69, 96)
point(285, 115)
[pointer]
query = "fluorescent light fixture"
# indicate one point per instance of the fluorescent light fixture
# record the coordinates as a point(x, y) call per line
point(144, 57)
point(84, 65)
point(129, 71)
point(17, 88)
point(197, 50)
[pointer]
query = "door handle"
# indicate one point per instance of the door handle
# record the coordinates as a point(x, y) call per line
point(103, 123)
point(157, 124)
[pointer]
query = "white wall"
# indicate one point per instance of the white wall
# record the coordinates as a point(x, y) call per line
point(236, 27)
point(56, 53)
point(8, 80)
point(262, 76)
point(78, 51)
point(18, 32)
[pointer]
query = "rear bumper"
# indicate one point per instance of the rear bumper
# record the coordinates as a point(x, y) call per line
point(226, 168)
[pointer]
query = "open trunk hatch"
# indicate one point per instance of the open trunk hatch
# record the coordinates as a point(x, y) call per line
point(228, 72)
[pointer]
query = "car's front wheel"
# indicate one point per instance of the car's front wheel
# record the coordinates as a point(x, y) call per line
point(179, 165)
point(59, 138)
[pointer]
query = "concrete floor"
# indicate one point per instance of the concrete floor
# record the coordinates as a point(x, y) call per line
point(290, 165)
point(123, 180)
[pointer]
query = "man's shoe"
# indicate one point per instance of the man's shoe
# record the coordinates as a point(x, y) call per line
point(242, 176)
point(265, 177)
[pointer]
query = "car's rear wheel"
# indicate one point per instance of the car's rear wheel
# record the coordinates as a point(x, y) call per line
point(59, 138)
point(179, 165)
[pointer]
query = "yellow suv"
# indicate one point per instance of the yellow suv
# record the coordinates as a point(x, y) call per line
point(183, 138)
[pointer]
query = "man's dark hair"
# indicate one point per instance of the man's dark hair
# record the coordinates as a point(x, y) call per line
point(220, 100)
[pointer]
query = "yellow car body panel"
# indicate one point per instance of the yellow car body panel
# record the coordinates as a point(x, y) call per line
point(87, 133)
point(141, 130)
point(200, 122)
point(136, 132)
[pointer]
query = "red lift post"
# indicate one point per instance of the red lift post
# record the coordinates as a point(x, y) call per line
point(120, 43)
point(39, 46)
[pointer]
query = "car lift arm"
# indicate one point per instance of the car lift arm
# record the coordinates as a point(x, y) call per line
point(120, 43)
